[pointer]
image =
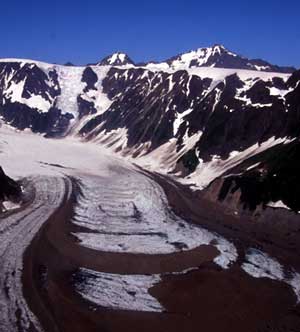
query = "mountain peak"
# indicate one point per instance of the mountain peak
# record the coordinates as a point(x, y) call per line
point(220, 57)
point(215, 50)
point(218, 48)
point(201, 57)
point(116, 59)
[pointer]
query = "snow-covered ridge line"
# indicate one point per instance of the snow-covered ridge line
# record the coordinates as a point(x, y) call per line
point(218, 74)
point(203, 71)
point(66, 89)
point(39, 62)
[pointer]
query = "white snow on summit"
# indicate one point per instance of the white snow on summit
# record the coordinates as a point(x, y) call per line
point(201, 56)
point(117, 57)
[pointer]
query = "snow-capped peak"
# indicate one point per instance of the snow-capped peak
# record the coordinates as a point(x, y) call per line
point(219, 56)
point(219, 47)
point(201, 57)
point(215, 49)
point(116, 59)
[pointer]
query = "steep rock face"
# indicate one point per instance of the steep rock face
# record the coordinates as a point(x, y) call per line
point(293, 103)
point(48, 99)
point(26, 81)
point(87, 107)
point(90, 78)
point(247, 113)
point(9, 189)
point(242, 116)
point(270, 178)
point(52, 124)
point(148, 104)
point(28, 98)
point(232, 115)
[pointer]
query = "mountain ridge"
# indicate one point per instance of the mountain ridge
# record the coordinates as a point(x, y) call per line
point(215, 56)
point(196, 122)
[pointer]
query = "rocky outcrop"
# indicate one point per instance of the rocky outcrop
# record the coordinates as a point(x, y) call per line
point(116, 59)
point(10, 190)
point(272, 180)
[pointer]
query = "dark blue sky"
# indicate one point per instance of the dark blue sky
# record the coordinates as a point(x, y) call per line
point(83, 31)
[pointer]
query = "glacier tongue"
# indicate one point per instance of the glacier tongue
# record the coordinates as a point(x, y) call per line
point(120, 209)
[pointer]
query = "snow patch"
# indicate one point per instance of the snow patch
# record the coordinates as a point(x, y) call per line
point(278, 204)
point(206, 172)
point(14, 93)
point(260, 265)
point(179, 118)
point(116, 291)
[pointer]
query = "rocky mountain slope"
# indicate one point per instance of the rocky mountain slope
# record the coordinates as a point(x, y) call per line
point(198, 115)
point(270, 178)
point(10, 191)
